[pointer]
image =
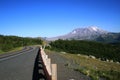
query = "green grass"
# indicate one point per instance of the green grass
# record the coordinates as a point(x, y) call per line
point(94, 68)
point(1, 52)
point(15, 49)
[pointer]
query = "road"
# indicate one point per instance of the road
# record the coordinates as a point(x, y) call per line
point(19, 66)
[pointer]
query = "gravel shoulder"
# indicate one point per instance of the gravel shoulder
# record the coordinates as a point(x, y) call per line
point(64, 72)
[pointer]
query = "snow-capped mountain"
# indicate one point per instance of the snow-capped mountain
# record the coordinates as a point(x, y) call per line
point(88, 33)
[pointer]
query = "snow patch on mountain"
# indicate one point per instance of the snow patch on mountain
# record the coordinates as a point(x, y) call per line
point(74, 32)
point(94, 28)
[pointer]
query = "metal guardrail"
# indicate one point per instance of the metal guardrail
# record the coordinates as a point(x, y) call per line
point(49, 69)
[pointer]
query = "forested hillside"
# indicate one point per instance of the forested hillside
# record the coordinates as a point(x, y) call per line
point(9, 42)
point(99, 50)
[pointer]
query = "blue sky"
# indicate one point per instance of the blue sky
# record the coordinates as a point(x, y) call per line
point(49, 18)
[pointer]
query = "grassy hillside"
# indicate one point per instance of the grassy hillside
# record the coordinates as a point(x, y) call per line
point(8, 43)
point(99, 50)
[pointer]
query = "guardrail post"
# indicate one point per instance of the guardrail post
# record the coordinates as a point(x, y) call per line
point(54, 71)
point(49, 66)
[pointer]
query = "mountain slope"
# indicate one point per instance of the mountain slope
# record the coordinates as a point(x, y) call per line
point(109, 38)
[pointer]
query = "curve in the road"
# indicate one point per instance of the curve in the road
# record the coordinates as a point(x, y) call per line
point(14, 54)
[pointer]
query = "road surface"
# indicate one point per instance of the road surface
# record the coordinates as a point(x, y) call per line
point(19, 66)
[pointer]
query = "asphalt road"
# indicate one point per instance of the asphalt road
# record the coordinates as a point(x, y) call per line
point(19, 66)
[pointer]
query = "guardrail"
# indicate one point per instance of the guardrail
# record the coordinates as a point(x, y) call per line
point(49, 69)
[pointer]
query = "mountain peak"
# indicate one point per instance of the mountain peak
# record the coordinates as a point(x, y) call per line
point(94, 28)
point(88, 29)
